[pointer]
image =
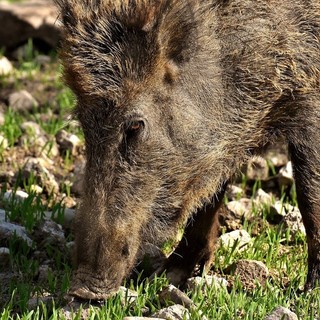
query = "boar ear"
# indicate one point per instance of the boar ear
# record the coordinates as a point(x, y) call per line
point(177, 33)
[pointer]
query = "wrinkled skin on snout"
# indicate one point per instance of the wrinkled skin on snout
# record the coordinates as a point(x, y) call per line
point(173, 97)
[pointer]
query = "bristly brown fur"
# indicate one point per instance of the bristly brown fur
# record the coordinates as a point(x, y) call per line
point(100, 35)
point(173, 96)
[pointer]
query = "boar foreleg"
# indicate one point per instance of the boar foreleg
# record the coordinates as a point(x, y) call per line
point(198, 243)
point(305, 154)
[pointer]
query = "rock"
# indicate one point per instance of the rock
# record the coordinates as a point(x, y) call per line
point(35, 167)
point(234, 193)
point(277, 153)
point(281, 208)
point(77, 180)
point(23, 20)
point(8, 230)
point(239, 237)
point(37, 140)
point(206, 281)
point(281, 313)
point(68, 142)
point(68, 217)
point(74, 310)
point(22, 101)
point(173, 294)
point(293, 221)
point(127, 296)
point(18, 195)
point(289, 216)
point(285, 176)
point(232, 215)
point(4, 258)
point(249, 272)
point(2, 119)
point(49, 232)
point(257, 169)
point(44, 271)
point(175, 312)
point(3, 142)
point(262, 198)
point(34, 302)
point(5, 66)
point(241, 208)
point(32, 128)
point(42, 60)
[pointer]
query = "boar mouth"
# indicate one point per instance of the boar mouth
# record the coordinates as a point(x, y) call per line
point(89, 286)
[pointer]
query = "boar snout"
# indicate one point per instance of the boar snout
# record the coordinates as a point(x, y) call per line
point(102, 262)
point(88, 285)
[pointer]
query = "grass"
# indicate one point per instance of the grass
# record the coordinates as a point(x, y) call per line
point(286, 259)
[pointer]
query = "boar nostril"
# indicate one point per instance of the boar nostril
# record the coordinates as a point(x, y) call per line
point(125, 250)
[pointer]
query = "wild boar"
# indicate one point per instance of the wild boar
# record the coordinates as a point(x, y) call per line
point(173, 97)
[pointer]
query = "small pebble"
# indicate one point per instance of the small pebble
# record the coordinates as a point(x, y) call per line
point(174, 312)
point(285, 177)
point(241, 236)
point(3, 142)
point(258, 169)
point(5, 66)
point(173, 294)
point(19, 195)
point(22, 101)
point(206, 281)
point(281, 313)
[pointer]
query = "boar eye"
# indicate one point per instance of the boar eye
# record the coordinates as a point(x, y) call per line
point(133, 127)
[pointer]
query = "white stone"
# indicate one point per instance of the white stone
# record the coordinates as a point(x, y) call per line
point(229, 239)
point(68, 142)
point(285, 176)
point(281, 313)
point(240, 208)
point(8, 230)
point(22, 101)
point(36, 19)
point(209, 281)
point(262, 198)
point(2, 120)
point(19, 195)
point(5, 66)
point(3, 142)
point(174, 312)
point(234, 192)
point(127, 295)
point(257, 169)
